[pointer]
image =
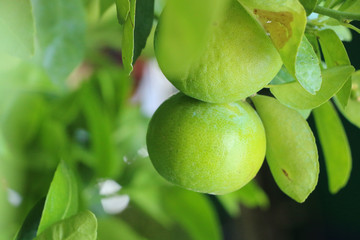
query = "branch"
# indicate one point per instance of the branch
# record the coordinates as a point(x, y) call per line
point(341, 16)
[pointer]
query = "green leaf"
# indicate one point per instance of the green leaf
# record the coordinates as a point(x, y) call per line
point(122, 9)
point(335, 54)
point(230, 203)
point(62, 198)
point(295, 96)
point(60, 35)
point(352, 6)
point(333, 49)
point(100, 127)
point(315, 44)
point(285, 22)
point(335, 146)
point(352, 110)
point(105, 5)
point(82, 226)
point(342, 32)
point(343, 94)
point(194, 212)
point(251, 195)
point(305, 113)
point(282, 77)
point(159, 6)
point(114, 229)
point(31, 223)
point(291, 149)
point(137, 28)
point(309, 5)
point(347, 4)
point(307, 68)
point(16, 28)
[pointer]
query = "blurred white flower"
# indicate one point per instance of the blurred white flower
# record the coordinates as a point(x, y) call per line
point(14, 197)
point(115, 204)
point(108, 187)
point(154, 88)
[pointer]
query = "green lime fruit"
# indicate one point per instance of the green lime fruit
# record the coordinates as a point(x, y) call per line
point(237, 60)
point(204, 147)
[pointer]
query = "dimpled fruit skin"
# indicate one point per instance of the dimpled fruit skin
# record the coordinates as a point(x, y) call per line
point(238, 61)
point(204, 147)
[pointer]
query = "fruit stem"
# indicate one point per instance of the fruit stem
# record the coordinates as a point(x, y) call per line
point(348, 25)
point(339, 15)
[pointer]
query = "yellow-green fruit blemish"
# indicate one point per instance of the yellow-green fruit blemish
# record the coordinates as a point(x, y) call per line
point(238, 59)
point(204, 147)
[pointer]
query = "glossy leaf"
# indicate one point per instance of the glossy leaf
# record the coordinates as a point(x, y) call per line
point(344, 93)
point(309, 5)
point(342, 32)
point(352, 110)
point(283, 76)
point(315, 44)
point(295, 96)
point(62, 198)
point(82, 226)
point(30, 225)
point(335, 54)
point(115, 228)
point(122, 9)
point(60, 35)
point(335, 146)
point(307, 68)
point(194, 212)
point(137, 28)
point(16, 28)
point(291, 149)
point(332, 48)
point(285, 23)
point(305, 113)
point(251, 195)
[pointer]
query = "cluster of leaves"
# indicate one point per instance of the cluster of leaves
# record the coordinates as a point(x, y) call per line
point(322, 72)
point(61, 134)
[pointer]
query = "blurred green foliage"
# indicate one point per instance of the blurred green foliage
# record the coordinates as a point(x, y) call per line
point(85, 125)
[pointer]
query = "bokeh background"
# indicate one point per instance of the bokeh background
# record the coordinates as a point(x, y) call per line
point(96, 120)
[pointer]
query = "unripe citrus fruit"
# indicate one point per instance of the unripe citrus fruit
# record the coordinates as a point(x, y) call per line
point(204, 147)
point(237, 60)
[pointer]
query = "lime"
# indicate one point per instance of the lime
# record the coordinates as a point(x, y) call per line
point(204, 147)
point(237, 60)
